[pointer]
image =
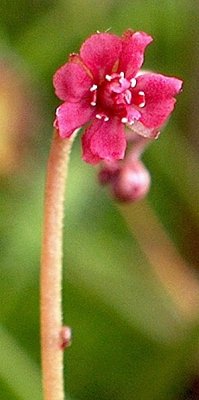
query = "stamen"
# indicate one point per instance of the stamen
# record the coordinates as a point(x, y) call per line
point(143, 102)
point(139, 99)
point(124, 120)
point(102, 116)
point(122, 79)
point(128, 96)
point(133, 82)
point(108, 78)
point(93, 88)
point(131, 122)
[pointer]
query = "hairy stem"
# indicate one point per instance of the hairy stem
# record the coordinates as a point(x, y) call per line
point(51, 269)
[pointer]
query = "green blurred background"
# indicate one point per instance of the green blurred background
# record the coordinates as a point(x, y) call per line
point(130, 272)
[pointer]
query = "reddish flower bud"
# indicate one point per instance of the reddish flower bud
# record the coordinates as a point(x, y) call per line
point(108, 172)
point(65, 337)
point(132, 183)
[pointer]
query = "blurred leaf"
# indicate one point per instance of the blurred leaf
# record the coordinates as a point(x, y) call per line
point(17, 370)
point(183, 167)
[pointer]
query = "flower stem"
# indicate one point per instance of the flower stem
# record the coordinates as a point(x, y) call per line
point(172, 271)
point(51, 269)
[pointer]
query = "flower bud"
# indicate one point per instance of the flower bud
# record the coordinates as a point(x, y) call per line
point(132, 183)
point(108, 172)
point(65, 337)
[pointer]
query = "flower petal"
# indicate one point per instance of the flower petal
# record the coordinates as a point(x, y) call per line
point(72, 83)
point(105, 140)
point(70, 116)
point(88, 156)
point(159, 93)
point(100, 53)
point(132, 56)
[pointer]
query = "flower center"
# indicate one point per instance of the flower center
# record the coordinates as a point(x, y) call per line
point(114, 94)
point(114, 97)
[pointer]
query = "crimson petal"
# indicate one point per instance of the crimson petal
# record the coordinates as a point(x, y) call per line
point(104, 140)
point(88, 156)
point(100, 53)
point(72, 83)
point(132, 56)
point(70, 116)
point(159, 93)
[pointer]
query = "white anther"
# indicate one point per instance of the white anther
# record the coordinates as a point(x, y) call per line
point(133, 82)
point(122, 74)
point(131, 123)
point(93, 103)
point(142, 104)
point(93, 88)
point(106, 119)
point(108, 77)
point(124, 120)
point(98, 31)
point(98, 116)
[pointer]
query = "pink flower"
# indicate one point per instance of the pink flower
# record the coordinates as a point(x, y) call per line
point(104, 88)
